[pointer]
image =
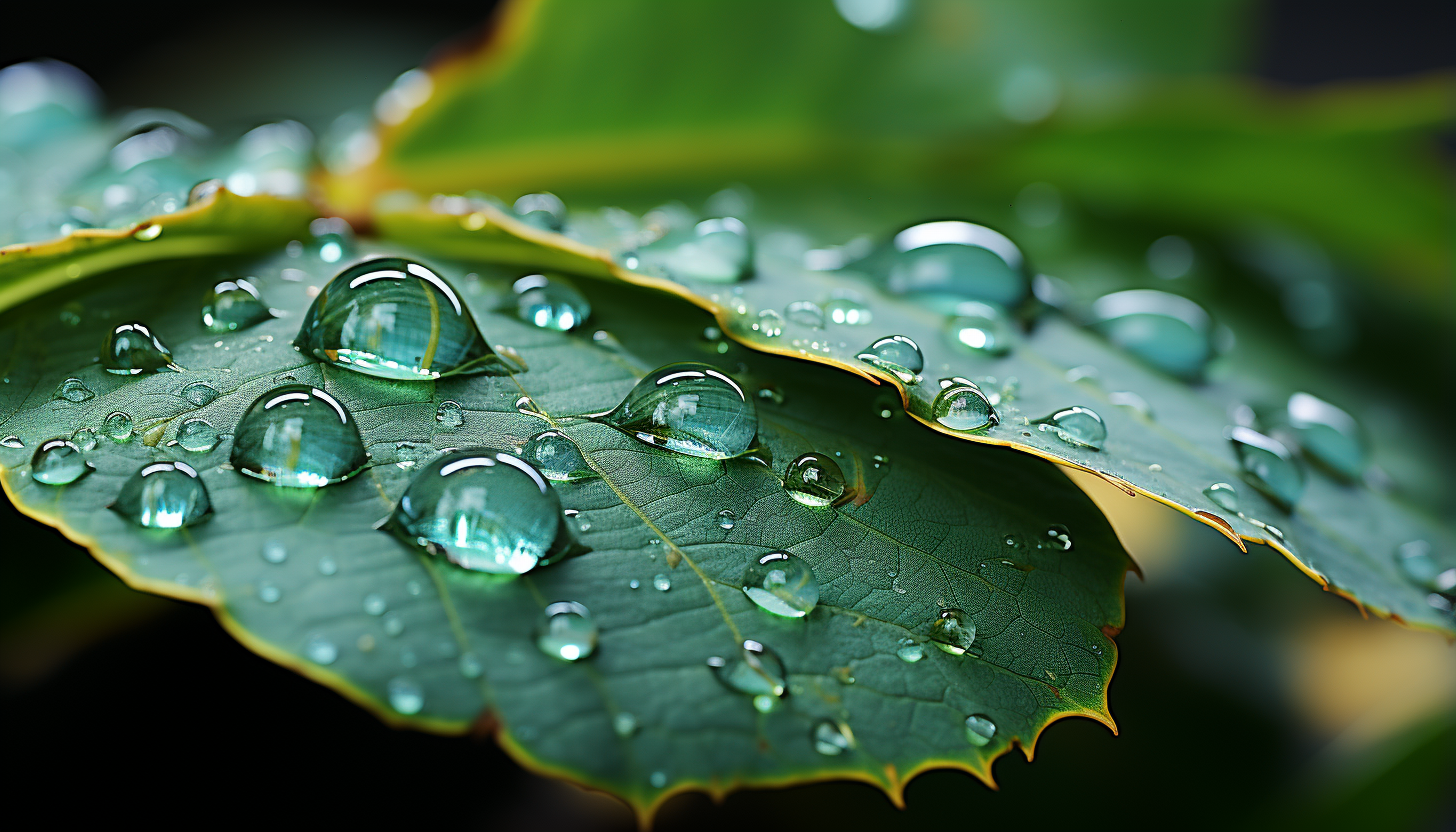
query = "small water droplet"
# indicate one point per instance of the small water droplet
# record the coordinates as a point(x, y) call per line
point(690, 408)
point(1058, 537)
point(849, 311)
point(557, 457)
point(756, 670)
point(962, 406)
point(1419, 564)
point(782, 584)
point(910, 650)
point(327, 566)
point(814, 479)
point(658, 779)
point(470, 666)
point(832, 738)
point(661, 582)
point(232, 305)
point(392, 624)
point(1171, 333)
point(805, 313)
point(633, 584)
point(979, 327)
point(953, 631)
point(959, 260)
point(197, 435)
point(1328, 435)
point(624, 724)
point(199, 393)
point(896, 354)
point(979, 729)
point(320, 650)
point(566, 631)
point(58, 462)
point(333, 238)
point(269, 593)
point(550, 302)
point(716, 250)
point(1225, 495)
point(726, 520)
point(1078, 426)
point(405, 695)
point(450, 414)
point(297, 436)
point(770, 324)
point(274, 551)
point(545, 211)
point(374, 604)
point(148, 232)
point(85, 439)
point(163, 495)
point(131, 349)
point(74, 390)
point(1268, 465)
point(118, 426)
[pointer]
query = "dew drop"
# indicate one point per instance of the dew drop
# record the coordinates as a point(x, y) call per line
point(1328, 435)
point(953, 631)
point(297, 436)
point(979, 730)
point(896, 354)
point(782, 584)
point(333, 238)
point(58, 462)
point(470, 666)
point(405, 695)
point(957, 259)
point(1225, 495)
point(148, 232)
point(848, 311)
point(557, 457)
point(814, 479)
point(74, 390)
point(163, 495)
point(545, 211)
point(979, 327)
point(269, 593)
point(450, 414)
point(658, 779)
point(197, 435)
point(805, 313)
point(910, 650)
point(199, 393)
point(726, 520)
point(756, 671)
point(1170, 332)
point(1057, 537)
point(12, 441)
point(715, 251)
point(232, 305)
point(832, 738)
point(690, 408)
point(392, 624)
point(962, 406)
point(1080, 427)
point(1268, 465)
point(320, 650)
point(624, 724)
point(131, 349)
point(661, 582)
point(85, 439)
point(770, 324)
point(118, 426)
point(566, 631)
point(274, 551)
point(327, 566)
point(550, 302)
point(374, 604)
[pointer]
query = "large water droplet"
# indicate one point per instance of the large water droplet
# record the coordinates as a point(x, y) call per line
point(958, 260)
point(980, 327)
point(715, 250)
point(1167, 331)
point(910, 650)
point(58, 462)
point(690, 408)
point(163, 495)
point(232, 305)
point(897, 354)
point(1328, 434)
point(953, 631)
point(962, 406)
point(832, 738)
point(1268, 465)
point(395, 318)
point(483, 509)
point(299, 437)
point(1077, 426)
point(131, 349)
point(1224, 494)
point(405, 695)
point(197, 435)
point(199, 393)
point(755, 671)
point(566, 631)
point(814, 480)
point(782, 584)
point(979, 729)
point(74, 390)
point(557, 457)
point(550, 303)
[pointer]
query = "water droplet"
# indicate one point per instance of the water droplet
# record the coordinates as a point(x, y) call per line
point(658, 779)
point(131, 349)
point(726, 520)
point(624, 724)
point(550, 303)
point(961, 260)
point(450, 414)
point(1328, 435)
point(814, 479)
point(1169, 332)
point(1077, 426)
point(1268, 465)
point(691, 408)
point(634, 583)
point(544, 211)
point(962, 406)
point(118, 426)
point(896, 354)
point(85, 439)
point(1170, 257)
point(756, 671)
point(1225, 495)
point(980, 327)
point(320, 650)
point(274, 551)
point(232, 305)
point(269, 593)
point(910, 650)
point(782, 584)
point(715, 250)
point(661, 582)
point(333, 238)
point(832, 738)
point(848, 311)
point(163, 495)
point(566, 631)
point(771, 393)
point(298, 436)
point(1058, 537)
point(327, 566)
point(484, 510)
point(470, 666)
point(770, 324)
point(405, 695)
point(953, 631)
point(557, 457)
point(74, 390)
point(197, 435)
point(394, 318)
point(199, 393)
point(58, 462)
point(374, 604)
point(392, 624)
point(805, 313)
point(979, 729)
point(1415, 560)
point(148, 232)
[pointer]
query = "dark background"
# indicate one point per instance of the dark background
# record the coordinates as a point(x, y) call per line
point(167, 718)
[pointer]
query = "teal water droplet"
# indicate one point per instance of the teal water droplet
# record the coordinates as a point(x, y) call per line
point(482, 509)
point(199, 393)
point(633, 584)
point(269, 593)
point(979, 327)
point(470, 666)
point(374, 604)
point(756, 671)
point(131, 349)
point(392, 624)
point(74, 390)
point(770, 324)
point(979, 730)
point(832, 738)
point(962, 406)
point(661, 582)
point(545, 211)
point(320, 650)
point(1167, 331)
point(961, 260)
point(204, 189)
point(1417, 563)
point(550, 302)
point(333, 238)
point(450, 414)
point(395, 318)
point(85, 439)
point(805, 313)
point(274, 551)
point(782, 584)
point(58, 462)
point(232, 305)
point(1268, 465)
point(12, 441)
point(953, 631)
point(896, 354)
point(772, 393)
point(297, 436)
point(1225, 495)
point(690, 408)
point(118, 426)
point(566, 631)
point(327, 566)
point(405, 695)
point(624, 724)
point(556, 457)
point(197, 435)
point(716, 250)
point(848, 311)
point(1328, 435)
point(726, 520)
point(1077, 426)
point(658, 779)
point(910, 650)
point(814, 479)
point(163, 495)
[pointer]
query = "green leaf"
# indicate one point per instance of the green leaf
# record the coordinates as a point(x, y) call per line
point(1343, 535)
point(928, 527)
